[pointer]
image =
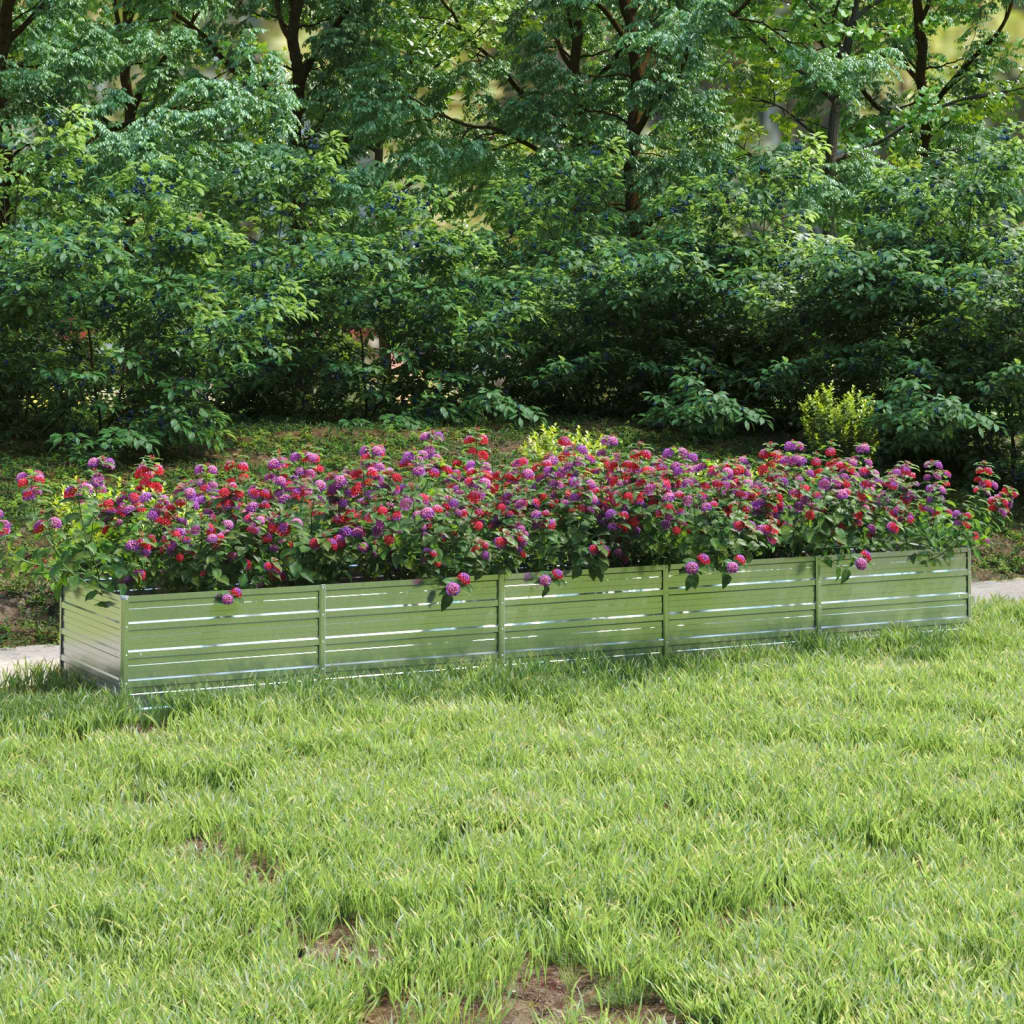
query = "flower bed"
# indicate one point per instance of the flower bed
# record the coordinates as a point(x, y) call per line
point(456, 525)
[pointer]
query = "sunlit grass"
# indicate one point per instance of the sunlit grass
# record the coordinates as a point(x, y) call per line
point(827, 831)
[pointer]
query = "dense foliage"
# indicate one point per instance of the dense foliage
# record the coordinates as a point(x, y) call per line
point(428, 515)
point(691, 213)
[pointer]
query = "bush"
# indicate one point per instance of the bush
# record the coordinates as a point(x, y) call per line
point(840, 420)
point(548, 439)
point(913, 418)
point(691, 404)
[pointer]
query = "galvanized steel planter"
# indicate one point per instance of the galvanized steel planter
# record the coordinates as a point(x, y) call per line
point(150, 644)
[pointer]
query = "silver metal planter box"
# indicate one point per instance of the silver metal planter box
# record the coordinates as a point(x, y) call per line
point(151, 644)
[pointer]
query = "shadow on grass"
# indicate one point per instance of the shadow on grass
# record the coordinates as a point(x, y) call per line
point(48, 698)
point(565, 680)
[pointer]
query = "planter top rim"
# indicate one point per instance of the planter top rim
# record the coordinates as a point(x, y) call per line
point(312, 588)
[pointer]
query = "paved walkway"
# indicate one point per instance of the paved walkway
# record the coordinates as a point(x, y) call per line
point(39, 653)
point(34, 654)
point(999, 588)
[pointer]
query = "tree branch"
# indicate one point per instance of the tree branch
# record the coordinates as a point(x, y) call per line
point(982, 47)
point(611, 19)
point(489, 129)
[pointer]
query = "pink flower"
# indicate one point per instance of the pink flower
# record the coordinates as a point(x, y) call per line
point(704, 559)
point(742, 559)
point(691, 568)
point(464, 578)
point(227, 598)
point(452, 588)
point(860, 563)
point(544, 579)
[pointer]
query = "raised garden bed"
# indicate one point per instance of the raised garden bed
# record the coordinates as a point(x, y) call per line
point(149, 644)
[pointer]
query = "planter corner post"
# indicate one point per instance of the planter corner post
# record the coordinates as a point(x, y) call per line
point(500, 617)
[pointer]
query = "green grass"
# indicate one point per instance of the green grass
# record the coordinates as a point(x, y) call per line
point(824, 832)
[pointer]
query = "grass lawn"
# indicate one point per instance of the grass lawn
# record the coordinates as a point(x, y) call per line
point(824, 832)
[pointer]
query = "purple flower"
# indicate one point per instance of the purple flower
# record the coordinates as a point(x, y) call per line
point(544, 579)
point(862, 448)
point(731, 567)
point(452, 588)
point(860, 562)
point(55, 522)
point(691, 568)
point(227, 598)
point(793, 446)
point(93, 463)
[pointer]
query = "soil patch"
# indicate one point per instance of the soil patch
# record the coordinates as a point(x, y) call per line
point(342, 942)
point(549, 994)
point(254, 863)
point(382, 1013)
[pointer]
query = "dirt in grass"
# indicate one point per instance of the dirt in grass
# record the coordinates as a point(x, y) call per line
point(546, 994)
point(382, 1013)
point(341, 942)
point(1002, 557)
point(255, 864)
point(550, 994)
point(27, 618)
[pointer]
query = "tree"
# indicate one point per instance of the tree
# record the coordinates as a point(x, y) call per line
point(888, 74)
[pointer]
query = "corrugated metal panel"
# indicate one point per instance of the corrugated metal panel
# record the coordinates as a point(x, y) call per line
point(160, 642)
point(192, 641)
point(90, 635)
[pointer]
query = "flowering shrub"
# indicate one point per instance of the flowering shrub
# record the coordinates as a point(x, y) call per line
point(451, 519)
